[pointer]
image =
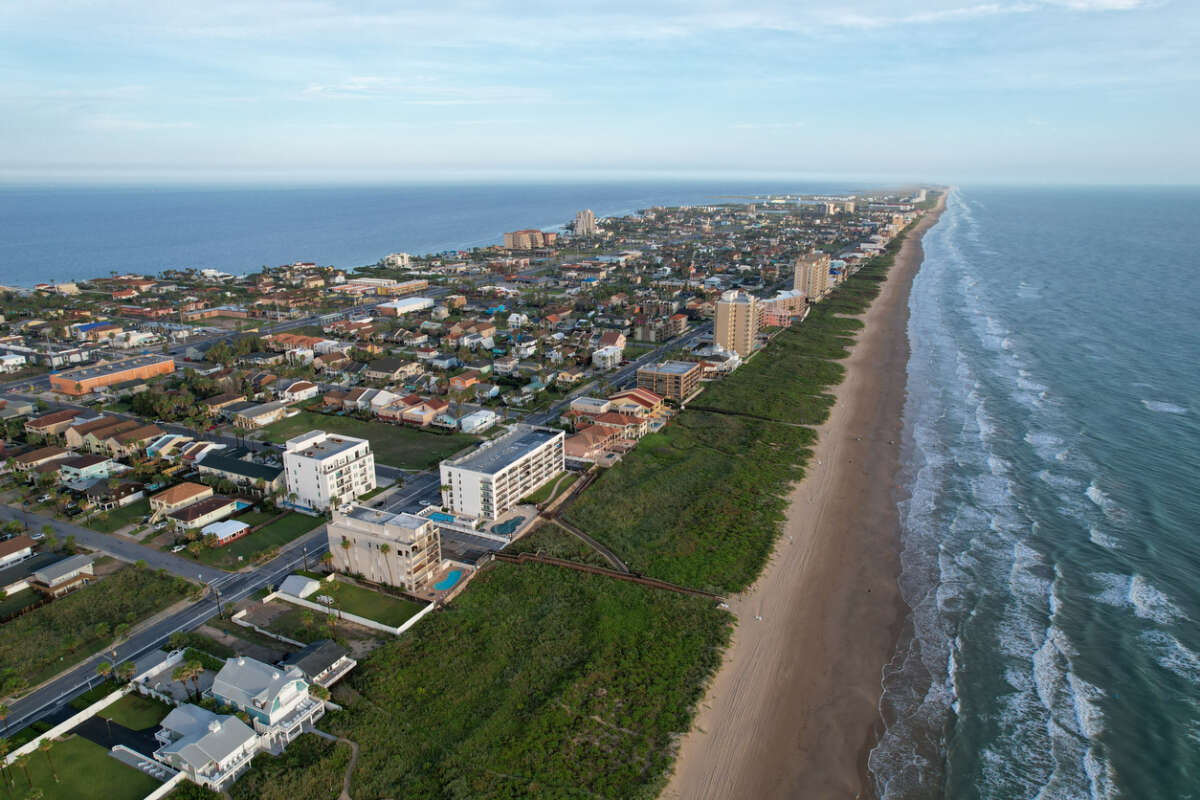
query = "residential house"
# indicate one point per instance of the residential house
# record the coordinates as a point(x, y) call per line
point(299, 391)
point(233, 465)
point(105, 498)
point(199, 514)
point(15, 550)
point(260, 415)
point(276, 699)
point(179, 496)
point(63, 576)
point(210, 749)
point(36, 458)
point(54, 423)
point(225, 531)
point(324, 662)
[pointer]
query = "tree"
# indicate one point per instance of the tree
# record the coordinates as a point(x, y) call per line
point(4, 712)
point(45, 747)
point(327, 559)
point(195, 670)
point(384, 549)
point(318, 691)
point(23, 763)
point(5, 747)
point(101, 630)
point(195, 548)
point(182, 673)
point(104, 668)
point(47, 530)
point(126, 671)
point(345, 544)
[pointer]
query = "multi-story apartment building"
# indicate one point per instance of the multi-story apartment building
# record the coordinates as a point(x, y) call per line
point(492, 480)
point(529, 239)
point(319, 467)
point(812, 275)
point(585, 223)
point(401, 550)
point(606, 358)
point(738, 319)
point(677, 380)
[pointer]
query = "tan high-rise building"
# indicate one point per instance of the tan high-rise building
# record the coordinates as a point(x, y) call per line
point(812, 275)
point(585, 223)
point(739, 317)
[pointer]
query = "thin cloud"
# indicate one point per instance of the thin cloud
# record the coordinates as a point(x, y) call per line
point(418, 92)
point(108, 123)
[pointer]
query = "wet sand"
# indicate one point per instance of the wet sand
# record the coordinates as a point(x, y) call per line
point(793, 711)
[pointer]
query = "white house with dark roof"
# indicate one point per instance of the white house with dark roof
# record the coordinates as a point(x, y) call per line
point(276, 698)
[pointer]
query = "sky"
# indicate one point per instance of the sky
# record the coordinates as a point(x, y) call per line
point(1043, 91)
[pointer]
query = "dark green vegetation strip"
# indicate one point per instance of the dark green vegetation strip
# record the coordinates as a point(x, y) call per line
point(701, 503)
point(310, 767)
point(55, 636)
point(537, 681)
point(551, 540)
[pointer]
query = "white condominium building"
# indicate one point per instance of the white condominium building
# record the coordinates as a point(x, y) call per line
point(320, 466)
point(401, 550)
point(585, 223)
point(492, 480)
point(738, 319)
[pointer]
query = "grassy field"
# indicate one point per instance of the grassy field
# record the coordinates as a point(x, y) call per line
point(310, 767)
point(702, 502)
point(109, 521)
point(55, 636)
point(18, 601)
point(84, 769)
point(252, 545)
point(394, 445)
point(552, 489)
point(136, 712)
point(553, 541)
point(537, 682)
point(382, 608)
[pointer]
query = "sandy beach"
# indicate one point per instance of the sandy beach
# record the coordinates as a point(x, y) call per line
point(793, 711)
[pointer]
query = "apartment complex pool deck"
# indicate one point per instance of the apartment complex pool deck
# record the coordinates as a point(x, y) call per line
point(450, 581)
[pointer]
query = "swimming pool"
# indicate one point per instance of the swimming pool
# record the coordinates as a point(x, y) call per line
point(506, 528)
point(449, 581)
point(239, 505)
point(439, 516)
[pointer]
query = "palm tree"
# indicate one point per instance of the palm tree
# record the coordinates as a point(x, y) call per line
point(196, 669)
point(45, 747)
point(181, 674)
point(126, 671)
point(5, 746)
point(104, 669)
point(48, 530)
point(327, 559)
point(384, 549)
point(346, 547)
point(23, 763)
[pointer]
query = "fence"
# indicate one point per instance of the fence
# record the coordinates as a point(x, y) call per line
point(68, 724)
point(366, 623)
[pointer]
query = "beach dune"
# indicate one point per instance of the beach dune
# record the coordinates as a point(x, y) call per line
point(793, 711)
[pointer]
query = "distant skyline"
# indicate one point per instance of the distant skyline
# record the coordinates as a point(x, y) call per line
point(1041, 91)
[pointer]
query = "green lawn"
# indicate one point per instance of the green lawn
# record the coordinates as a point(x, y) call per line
point(59, 634)
point(136, 712)
point(249, 547)
point(536, 682)
point(380, 607)
point(553, 489)
point(84, 769)
point(18, 601)
point(394, 445)
point(109, 521)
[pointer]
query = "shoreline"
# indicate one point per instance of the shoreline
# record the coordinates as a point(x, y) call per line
point(793, 710)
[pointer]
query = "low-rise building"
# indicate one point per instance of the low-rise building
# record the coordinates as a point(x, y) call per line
point(179, 496)
point(232, 466)
point(54, 423)
point(210, 749)
point(320, 468)
point(401, 550)
point(83, 380)
point(606, 358)
point(260, 415)
point(492, 479)
point(15, 550)
point(64, 576)
point(225, 530)
point(198, 515)
point(324, 662)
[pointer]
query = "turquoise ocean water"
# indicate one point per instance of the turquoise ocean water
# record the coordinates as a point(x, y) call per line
point(1051, 524)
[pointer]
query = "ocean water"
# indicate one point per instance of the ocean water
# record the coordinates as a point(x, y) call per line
point(74, 233)
point(1050, 517)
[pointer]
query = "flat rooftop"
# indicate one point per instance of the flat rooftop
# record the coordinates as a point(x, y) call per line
point(321, 448)
point(378, 516)
point(672, 367)
point(493, 456)
point(100, 370)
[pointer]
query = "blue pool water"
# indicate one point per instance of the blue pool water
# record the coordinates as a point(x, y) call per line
point(449, 581)
point(438, 516)
point(506, 528)
point(241, 506)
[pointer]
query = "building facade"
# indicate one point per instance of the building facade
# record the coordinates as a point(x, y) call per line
point(83, 380)
point(319, 467)
point(585, 223)
point(401, 550)
point(739, 317)
point(490, 481)
point(812, 275)
point(675, 380)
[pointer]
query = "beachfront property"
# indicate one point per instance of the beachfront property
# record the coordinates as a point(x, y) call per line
point(177, 497)
point(674, 380)
point(232, 466)
point(812, 276)
point(275, 698)
point(210, 749)
point(492, 479)
point(82, 380)
point(739, 317)
point(322, 469)
point(401, 550)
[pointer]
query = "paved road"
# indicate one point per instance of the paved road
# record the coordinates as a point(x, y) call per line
point(117, 546)
point(231, 588)
point(623, 377)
